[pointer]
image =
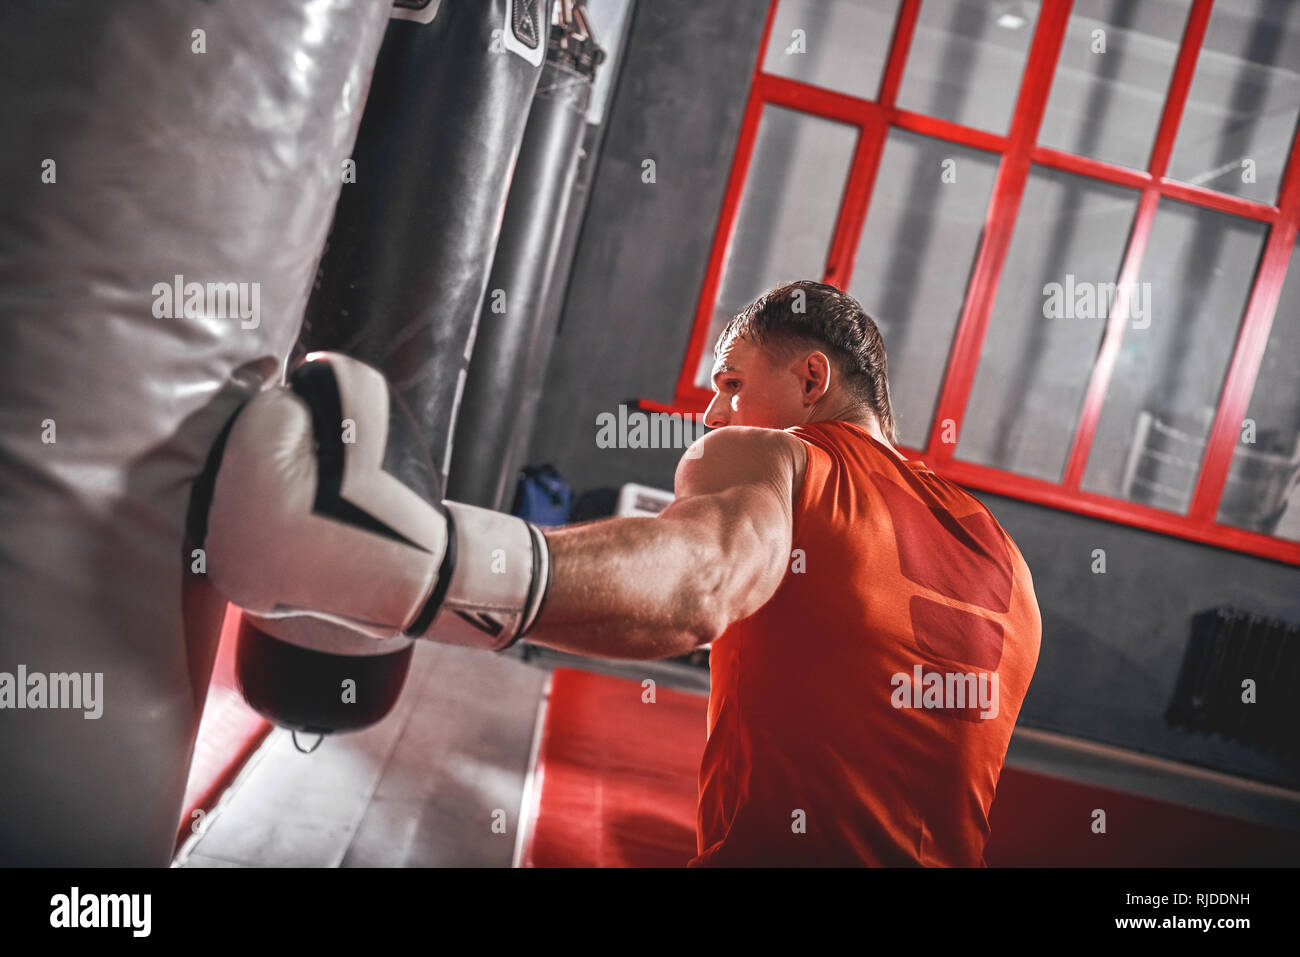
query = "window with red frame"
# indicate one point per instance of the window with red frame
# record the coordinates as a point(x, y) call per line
point(1075, 224)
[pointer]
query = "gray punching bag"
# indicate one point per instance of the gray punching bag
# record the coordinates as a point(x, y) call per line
point(400, 287)
point(516, 331)
point(148, 148)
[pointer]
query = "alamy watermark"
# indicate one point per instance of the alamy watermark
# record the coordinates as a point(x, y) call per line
point(58, 690)
point(647, 430)
point(76, 909)
point(1082, 299)
point(946, 690)
point(179, 299)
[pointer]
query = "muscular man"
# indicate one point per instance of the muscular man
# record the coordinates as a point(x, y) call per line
point(873, 628)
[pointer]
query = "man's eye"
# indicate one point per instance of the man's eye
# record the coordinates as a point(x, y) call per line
point(733, 383)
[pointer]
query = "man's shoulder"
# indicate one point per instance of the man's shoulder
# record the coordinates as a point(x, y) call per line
point(745, 441)
point(740, 454)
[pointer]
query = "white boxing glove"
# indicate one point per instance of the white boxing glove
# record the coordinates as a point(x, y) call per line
point(308, 516)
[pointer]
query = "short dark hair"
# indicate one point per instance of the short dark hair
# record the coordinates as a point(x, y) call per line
point(813, 314)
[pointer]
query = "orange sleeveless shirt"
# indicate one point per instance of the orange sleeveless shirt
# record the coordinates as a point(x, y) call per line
point(862, 715)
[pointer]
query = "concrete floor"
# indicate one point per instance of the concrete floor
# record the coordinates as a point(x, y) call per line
point(421, 788)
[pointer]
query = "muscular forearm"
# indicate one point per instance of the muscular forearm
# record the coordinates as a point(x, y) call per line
point(628, 588)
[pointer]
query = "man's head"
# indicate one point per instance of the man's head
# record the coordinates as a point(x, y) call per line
point(801, 352)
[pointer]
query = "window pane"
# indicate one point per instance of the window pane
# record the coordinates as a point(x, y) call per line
point(843, 46)
point(1111, 80)
point(1042, 337)
point(1261, 494)
point(966, 60)
point(1244, 100)
point(913, 262)
point(1165, 387)
point(787, 212)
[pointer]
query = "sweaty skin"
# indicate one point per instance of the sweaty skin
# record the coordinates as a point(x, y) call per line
point(660, 587)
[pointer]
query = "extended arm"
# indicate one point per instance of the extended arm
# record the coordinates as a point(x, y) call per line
point(660, 587)
point(305, 519)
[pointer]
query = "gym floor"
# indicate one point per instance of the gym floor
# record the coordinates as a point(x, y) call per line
point(425, 786)
point(408, 791)
point(417, 789)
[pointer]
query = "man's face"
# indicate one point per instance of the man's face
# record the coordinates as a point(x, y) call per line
point(752, 388)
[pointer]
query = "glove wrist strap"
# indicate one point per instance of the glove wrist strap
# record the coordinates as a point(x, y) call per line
point(493, 580)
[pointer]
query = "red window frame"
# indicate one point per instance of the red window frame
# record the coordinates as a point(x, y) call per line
point(1018, 151)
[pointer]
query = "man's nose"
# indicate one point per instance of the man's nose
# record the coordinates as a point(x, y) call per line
point(715, 416)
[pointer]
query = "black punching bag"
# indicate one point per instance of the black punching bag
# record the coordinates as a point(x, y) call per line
point(150, 149)
point(400, 287)
point(516, 331)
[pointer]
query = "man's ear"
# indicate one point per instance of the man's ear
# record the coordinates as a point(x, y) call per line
point(814, 370)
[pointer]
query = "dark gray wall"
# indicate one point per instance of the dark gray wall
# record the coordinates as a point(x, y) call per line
point(1112, 643)
point(644, 246)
